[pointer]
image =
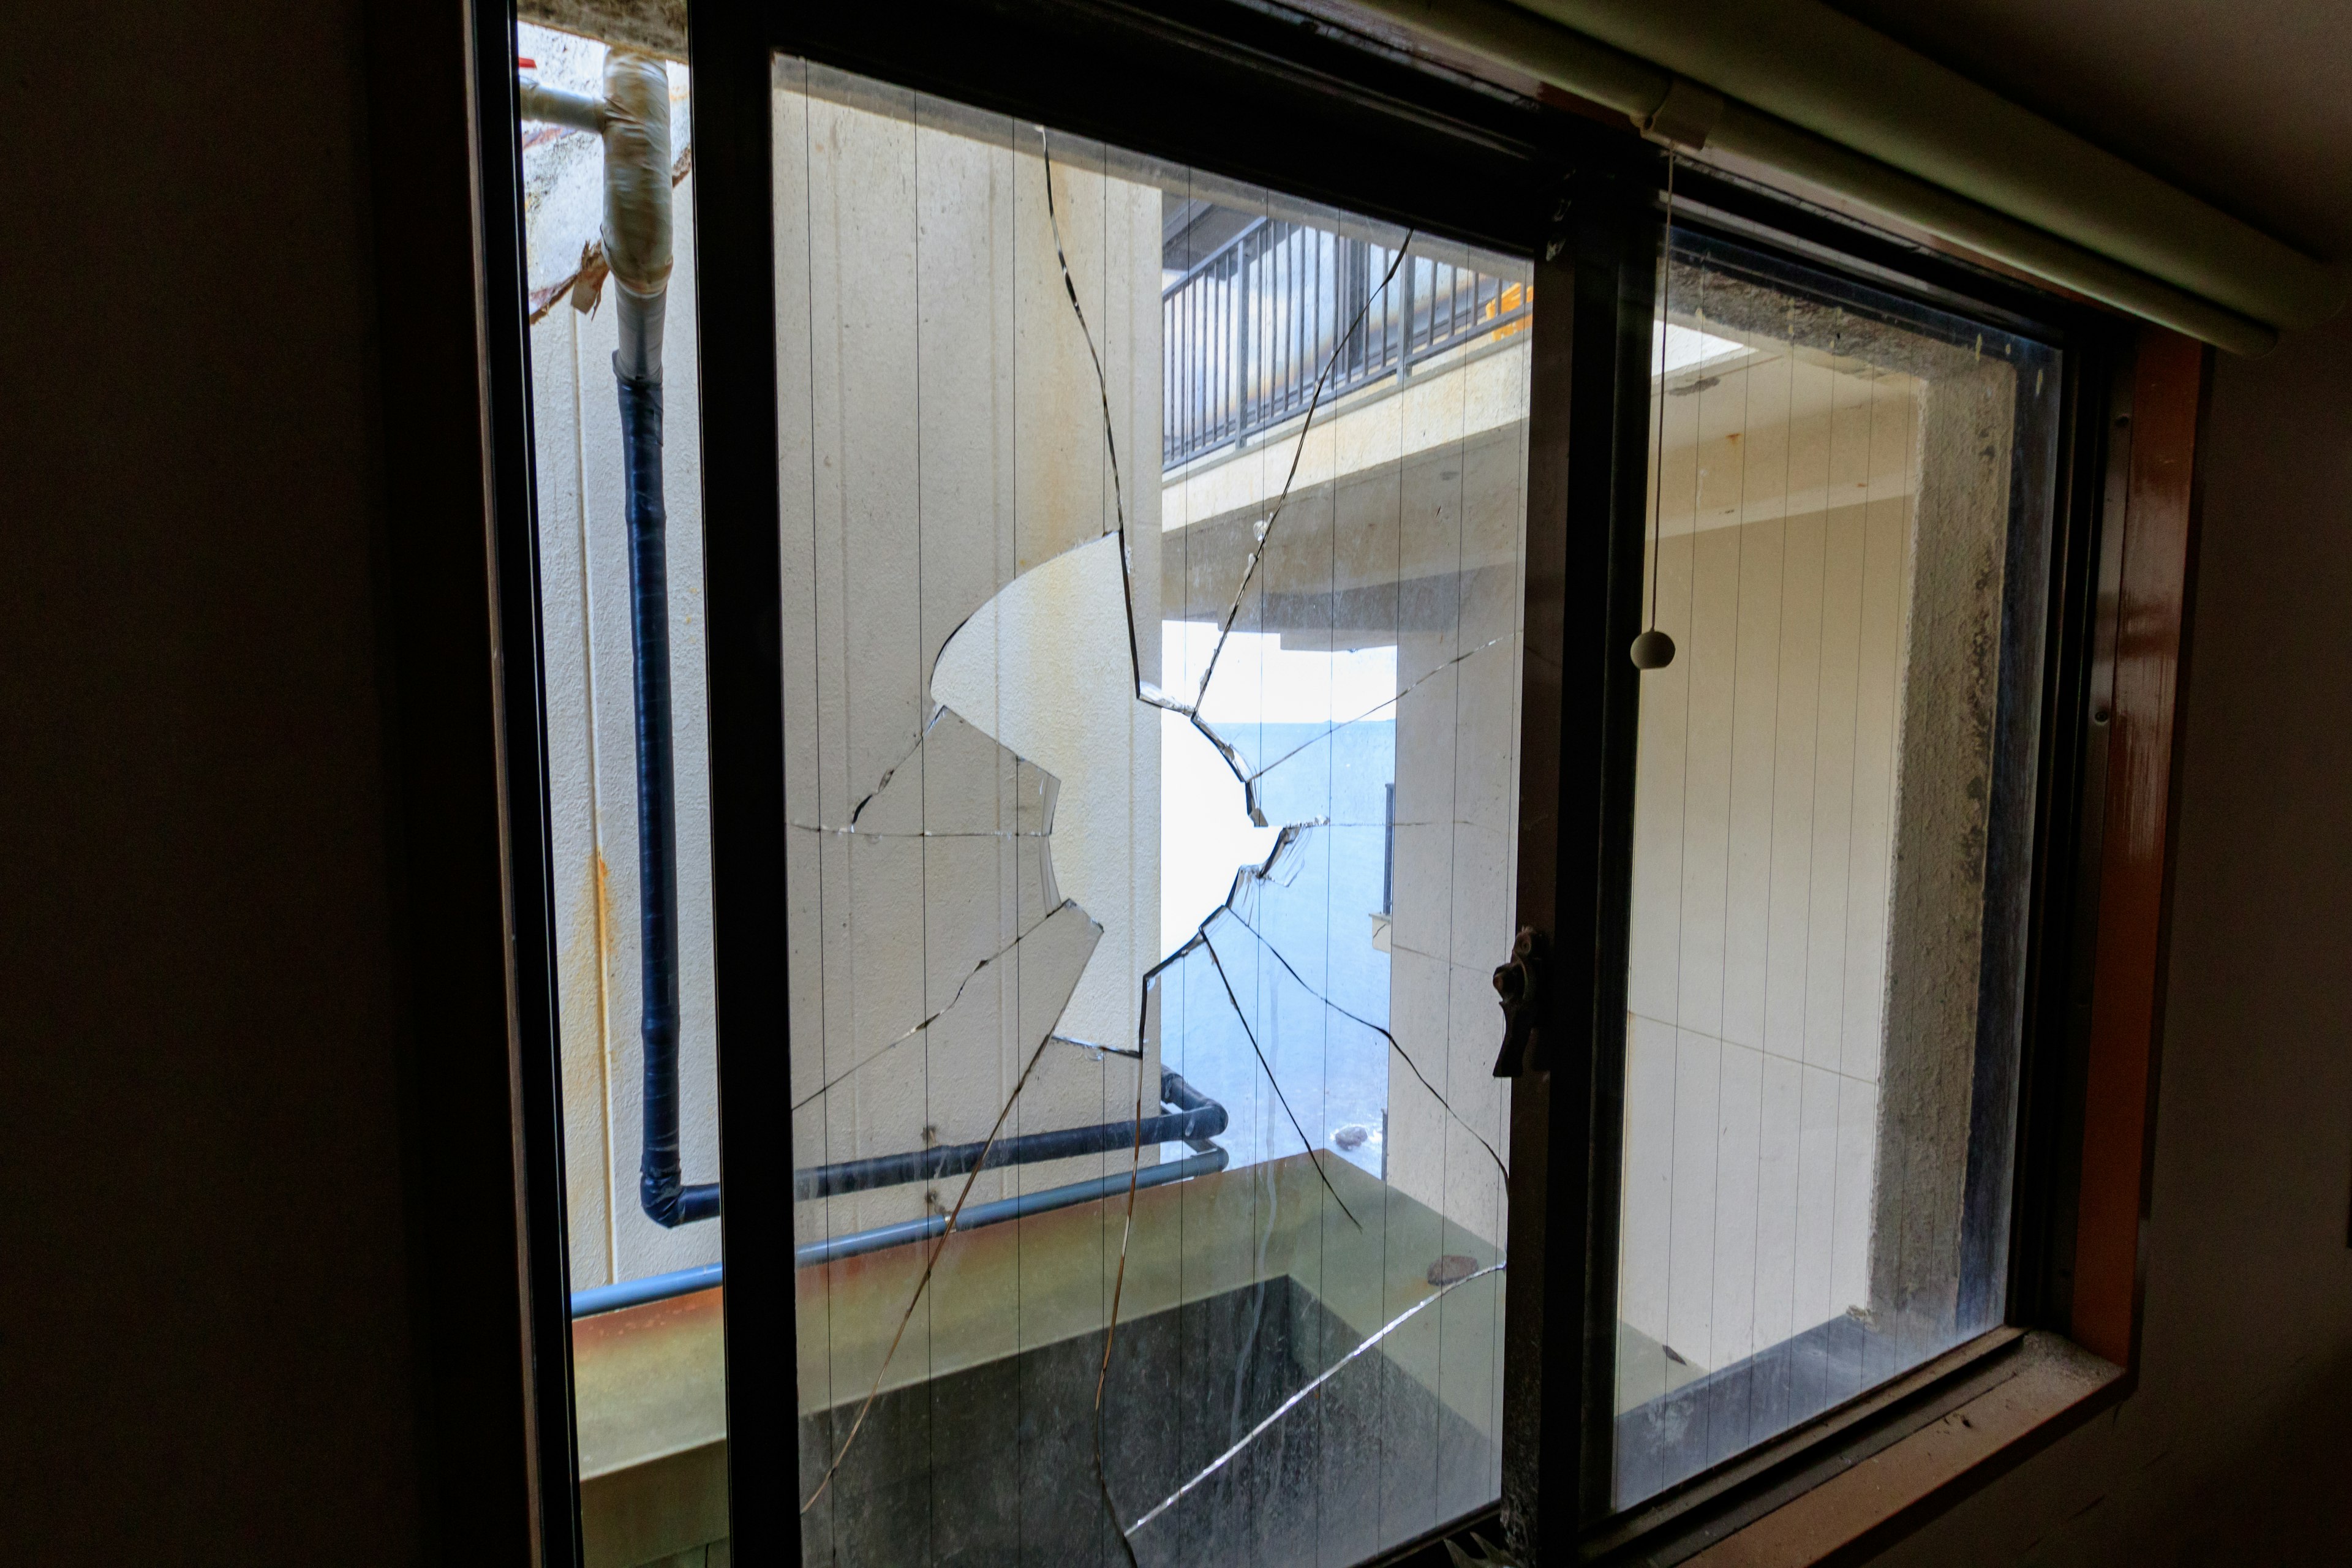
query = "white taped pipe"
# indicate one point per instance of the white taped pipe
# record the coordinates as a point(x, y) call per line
point(559, 106)
point(633, 119)
point(637, 204)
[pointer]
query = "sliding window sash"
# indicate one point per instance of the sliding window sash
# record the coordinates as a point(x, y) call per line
point(734, 246)
point(1587, 445)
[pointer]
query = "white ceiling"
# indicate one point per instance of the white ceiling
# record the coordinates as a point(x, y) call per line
point(2246, 102)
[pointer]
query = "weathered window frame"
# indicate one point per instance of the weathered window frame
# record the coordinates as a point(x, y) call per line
point(1583, 201)
point(2124, 545)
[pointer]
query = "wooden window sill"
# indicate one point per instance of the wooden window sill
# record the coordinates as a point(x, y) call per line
point(2046, 1388)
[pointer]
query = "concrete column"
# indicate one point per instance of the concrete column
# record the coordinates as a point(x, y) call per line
point(1952, 686)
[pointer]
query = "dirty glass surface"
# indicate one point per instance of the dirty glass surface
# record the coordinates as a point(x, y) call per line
point(620, 564)
point(1152, 556)
point(1850, 501)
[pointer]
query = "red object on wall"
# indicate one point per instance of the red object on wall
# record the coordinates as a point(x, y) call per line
point(2159, 540)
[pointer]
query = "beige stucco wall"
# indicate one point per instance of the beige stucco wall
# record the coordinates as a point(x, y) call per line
point(1810, 833)
point(942, 445)
point(1762, 842)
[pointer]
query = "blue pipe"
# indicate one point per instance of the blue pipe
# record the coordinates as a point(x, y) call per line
point(685, 1281)
point(652, 1288)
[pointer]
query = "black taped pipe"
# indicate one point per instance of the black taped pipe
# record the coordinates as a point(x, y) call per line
point(1196, 1118)
point(666, 1200)
point(1020, 1207)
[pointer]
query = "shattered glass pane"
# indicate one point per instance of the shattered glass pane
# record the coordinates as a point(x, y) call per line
point(1153, 575)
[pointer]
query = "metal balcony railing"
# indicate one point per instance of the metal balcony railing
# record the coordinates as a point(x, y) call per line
point(1246, 331)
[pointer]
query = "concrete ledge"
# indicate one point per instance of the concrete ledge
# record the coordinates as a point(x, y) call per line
point(650, 1512)
point(650, 1393)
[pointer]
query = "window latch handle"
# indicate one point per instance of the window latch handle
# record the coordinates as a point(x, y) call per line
point(1519, 983)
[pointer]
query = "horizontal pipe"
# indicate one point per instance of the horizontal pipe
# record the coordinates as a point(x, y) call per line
point(834, 1247)
point(686, 1282)
point(1196, 1118)
point(559, 106)
point(652, 1288)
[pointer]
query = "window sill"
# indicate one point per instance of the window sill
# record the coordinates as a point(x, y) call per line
point(2046, 1388)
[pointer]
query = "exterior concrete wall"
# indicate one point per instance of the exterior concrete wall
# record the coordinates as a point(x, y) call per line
point(590, 707)
point(1457, 809)
point(1936, 938)
point(1811, 827)
point(1764, 839)
point(947, 495)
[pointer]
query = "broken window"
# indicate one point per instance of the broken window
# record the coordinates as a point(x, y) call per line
point(1850, 503)
point(1152, 567)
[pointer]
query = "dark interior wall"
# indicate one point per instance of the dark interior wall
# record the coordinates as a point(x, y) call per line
point(204, 1292)
point(2237, 1447)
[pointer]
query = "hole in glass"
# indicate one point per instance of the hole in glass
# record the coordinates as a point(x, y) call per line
point(1152, 838)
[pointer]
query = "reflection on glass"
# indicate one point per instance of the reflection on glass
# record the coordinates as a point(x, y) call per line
point(607, 211)
point(1153, 575)
point(1851, 496)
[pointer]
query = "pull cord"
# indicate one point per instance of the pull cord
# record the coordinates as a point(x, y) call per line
point(1653, 649)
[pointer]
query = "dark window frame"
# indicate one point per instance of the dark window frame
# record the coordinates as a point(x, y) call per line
point(2095, 357)
point(1485, 167)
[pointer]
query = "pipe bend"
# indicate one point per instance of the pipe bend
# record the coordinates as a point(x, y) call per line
point(672, 1204)
point(1191, 1116)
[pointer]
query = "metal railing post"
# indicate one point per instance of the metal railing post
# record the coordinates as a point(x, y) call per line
point(1404, 321)
point(1243, 319)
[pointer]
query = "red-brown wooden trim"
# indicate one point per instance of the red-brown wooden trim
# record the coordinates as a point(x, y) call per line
point(1854, 1516)
point(2160, 534)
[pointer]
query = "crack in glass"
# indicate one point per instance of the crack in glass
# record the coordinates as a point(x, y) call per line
point(1292, 1043)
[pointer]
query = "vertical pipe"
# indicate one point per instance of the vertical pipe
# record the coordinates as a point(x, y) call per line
point(659, 1184)
point(637, 239)
point(660, 1189)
